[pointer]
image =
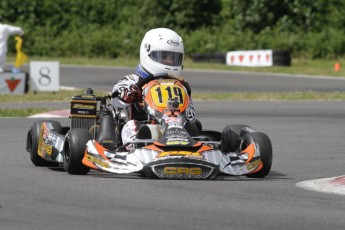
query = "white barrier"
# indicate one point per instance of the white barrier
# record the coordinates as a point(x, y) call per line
point(12, 83)
point(250, 58)
point(44, 76)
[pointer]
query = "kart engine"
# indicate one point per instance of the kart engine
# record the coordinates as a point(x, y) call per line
point(83, 113)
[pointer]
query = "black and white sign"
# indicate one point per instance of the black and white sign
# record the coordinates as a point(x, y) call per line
point(249, 58)
point(44, 76)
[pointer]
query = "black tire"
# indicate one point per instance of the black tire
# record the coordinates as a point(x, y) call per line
point(32, 142)
point(265, 145)
point(198, 125)
point(192, 128)
point(281, 58)
point(209, 57)
point(231, 137)
point(74, 149)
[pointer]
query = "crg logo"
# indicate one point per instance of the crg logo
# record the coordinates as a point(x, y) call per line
point(182, 170)
point(98, 161)
point(173, 42)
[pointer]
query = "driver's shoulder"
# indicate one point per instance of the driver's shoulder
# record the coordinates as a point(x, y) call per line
point(133, 78)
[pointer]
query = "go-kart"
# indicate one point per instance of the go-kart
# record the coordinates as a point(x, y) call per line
point(167, 145)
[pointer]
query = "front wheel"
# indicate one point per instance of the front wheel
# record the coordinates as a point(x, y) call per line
point(74, 150)
point(265, 145)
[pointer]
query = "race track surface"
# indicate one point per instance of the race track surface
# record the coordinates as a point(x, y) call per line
point(205, 81)
point(307, 139)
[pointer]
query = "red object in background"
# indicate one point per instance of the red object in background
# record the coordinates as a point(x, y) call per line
point(337, 67)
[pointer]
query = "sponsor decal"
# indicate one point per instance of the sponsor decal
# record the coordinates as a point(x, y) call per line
point(177, 142)
point(169, 120)
point(180, 153)
point(47, 149)
point(173, 42)
point(167, 157)
point(174, 125)
point(107, 141)
point(194, 171)
point(98, 161)
point(147, 47)
point(40, 141)
point(176, 132)
point(184, 137)
point(87, 96)
point(44, 140)
point(177, 139)
point(253, 164)
point(174, 140)
point(82, 106)
point(49, 138)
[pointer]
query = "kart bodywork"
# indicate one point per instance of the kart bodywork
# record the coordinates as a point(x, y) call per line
point(167, 145)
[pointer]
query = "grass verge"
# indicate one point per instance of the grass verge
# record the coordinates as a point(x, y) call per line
point(62, 95)
point(20, 112)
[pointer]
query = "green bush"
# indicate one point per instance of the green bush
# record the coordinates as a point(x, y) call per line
point(113, 28)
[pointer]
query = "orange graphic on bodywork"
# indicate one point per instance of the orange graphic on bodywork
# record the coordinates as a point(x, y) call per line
point(250, 150)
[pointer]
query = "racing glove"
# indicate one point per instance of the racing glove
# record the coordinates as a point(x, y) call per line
point(128, 93)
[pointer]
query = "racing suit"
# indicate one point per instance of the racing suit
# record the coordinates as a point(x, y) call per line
point(127, 92)
point(5, 32)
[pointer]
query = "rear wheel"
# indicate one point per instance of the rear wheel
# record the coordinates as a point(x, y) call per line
point(33, 140)
point(74, 149)
point(231, 137)
point(193, 127)
point(265, 145)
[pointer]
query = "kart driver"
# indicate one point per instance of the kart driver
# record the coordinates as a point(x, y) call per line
point(161, 52)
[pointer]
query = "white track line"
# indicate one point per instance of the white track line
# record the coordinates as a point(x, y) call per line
point(52, 114)
point(334, 185)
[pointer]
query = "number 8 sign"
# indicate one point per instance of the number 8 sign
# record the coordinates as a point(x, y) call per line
point(44, 76)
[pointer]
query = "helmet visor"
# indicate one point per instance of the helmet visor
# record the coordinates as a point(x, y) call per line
point(167, 57)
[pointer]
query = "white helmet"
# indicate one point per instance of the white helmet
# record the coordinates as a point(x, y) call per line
point(161, 51)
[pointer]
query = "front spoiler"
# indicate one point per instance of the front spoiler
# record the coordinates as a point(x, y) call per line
point(206, 165)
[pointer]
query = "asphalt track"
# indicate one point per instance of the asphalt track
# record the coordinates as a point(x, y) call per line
point(205, 81)
point(308, 143)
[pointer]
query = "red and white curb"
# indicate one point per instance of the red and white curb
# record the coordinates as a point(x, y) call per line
point(52, 114)
point(334, 185)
